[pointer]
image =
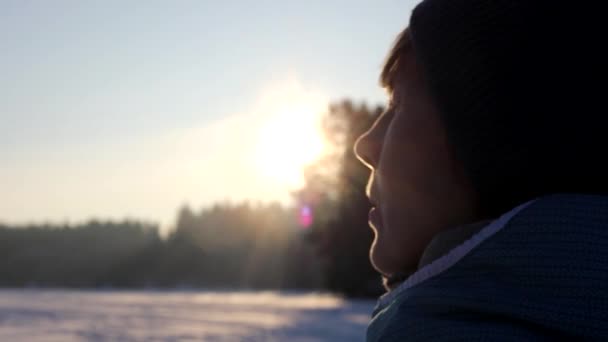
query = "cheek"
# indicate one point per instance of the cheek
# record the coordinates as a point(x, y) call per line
point(407, 182)
point(402, 171)
point(415, 163)
point(401, 231)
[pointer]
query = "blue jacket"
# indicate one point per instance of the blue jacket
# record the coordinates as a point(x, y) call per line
point(539, 272)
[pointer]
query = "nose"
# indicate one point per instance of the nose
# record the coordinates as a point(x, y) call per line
point(368, 146)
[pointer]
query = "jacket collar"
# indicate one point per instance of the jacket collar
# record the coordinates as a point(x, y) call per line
point(451, 254)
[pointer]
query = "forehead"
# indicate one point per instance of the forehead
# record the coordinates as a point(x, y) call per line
point(396, 62)
point(405, 76)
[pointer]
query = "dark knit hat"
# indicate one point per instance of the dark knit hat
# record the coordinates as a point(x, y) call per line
point(520, 85)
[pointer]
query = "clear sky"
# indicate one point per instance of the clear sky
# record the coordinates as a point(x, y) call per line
point(130, 109)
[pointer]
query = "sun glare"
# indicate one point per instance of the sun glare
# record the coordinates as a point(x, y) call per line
point(289, 140)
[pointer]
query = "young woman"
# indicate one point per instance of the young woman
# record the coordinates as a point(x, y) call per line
point(489, 182)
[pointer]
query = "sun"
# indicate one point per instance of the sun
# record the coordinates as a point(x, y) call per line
point(290, 139)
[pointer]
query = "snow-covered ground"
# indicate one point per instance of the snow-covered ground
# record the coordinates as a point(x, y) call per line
point(58, 315)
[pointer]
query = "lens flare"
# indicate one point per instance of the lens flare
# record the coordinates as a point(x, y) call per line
point(306, 217)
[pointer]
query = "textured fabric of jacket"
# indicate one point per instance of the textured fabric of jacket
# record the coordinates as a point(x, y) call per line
point(539, 272)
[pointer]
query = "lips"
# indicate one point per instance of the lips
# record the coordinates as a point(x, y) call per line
point(375, 219)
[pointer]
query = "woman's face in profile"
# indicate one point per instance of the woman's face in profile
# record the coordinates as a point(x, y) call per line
point(416, 186)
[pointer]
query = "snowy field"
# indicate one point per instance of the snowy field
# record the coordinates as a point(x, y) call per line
point(57, 315)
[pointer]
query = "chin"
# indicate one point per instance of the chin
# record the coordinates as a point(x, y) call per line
point(387, 264)
point(378, 259)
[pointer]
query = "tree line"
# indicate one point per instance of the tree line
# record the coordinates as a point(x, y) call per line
point(238, 246)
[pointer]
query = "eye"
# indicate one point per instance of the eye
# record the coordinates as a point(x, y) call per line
point(393, 103)
point(387, 115)
point(391, 110)
point(385, 119)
